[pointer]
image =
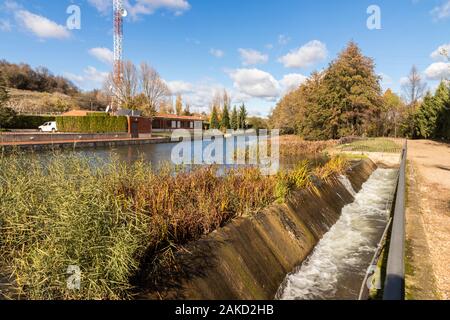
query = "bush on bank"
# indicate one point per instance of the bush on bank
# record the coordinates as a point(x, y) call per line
point(94, 123)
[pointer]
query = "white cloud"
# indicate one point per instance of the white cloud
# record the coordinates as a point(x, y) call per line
point(10, 5)
point(252, 57)
point(90, 79)
point(193, 41)
point(283, 39)
point(441, 12)
point(5, 25)
point(255, 83)
point(180, 87)
point(103, 54)
point(404, 80)
point(305, 56)
point(438, 71)
point(146, 7)
point(249, 85)
point(386, 80)
point(103, 6)
point(41, 26)
point(217, 53)
point(438, 53)
point(198, 95)
point(292, 81)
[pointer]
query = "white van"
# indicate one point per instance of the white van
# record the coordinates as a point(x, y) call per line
point(48, 127)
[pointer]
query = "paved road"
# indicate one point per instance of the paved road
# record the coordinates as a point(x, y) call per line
point(428, 220)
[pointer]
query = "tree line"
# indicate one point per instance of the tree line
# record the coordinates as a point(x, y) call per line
point(220, 117)
point(346, 99)
point(23, 77)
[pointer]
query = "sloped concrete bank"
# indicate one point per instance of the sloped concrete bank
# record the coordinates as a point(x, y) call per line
point(250, 257)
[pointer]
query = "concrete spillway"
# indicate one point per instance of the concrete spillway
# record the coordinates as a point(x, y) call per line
point(250, 257)
point(336, 268)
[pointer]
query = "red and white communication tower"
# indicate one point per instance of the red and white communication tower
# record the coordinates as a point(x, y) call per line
point(119, 13)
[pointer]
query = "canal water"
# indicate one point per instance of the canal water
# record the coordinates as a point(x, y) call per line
point(161, 154)
point(336, 268)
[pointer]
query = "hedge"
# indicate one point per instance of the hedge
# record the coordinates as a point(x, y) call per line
point(92, 124)
point(29, 122)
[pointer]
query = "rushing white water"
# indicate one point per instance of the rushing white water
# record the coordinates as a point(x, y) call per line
point(336, 268)
point(347, 184)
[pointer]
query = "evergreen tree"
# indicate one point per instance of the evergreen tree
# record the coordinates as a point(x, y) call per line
point(187, 110)
point(242, 117)
point(6, 114)
point(442, 106)
point(234, 122)
point(345, 99)
point(214, 120)
point(425, 119)
point(352, 93)
point(4, 95)
point(225, 122)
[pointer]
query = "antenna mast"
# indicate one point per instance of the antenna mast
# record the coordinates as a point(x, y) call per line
point(119, 13)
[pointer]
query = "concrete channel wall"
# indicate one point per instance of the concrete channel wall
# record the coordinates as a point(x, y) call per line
point(45, 137)
point(250, 257)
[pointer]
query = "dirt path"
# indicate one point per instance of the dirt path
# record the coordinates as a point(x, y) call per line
point(428, 221)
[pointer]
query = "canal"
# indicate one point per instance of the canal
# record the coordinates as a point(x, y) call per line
point(336, 268)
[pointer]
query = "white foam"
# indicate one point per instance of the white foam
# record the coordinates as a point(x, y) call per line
point(346, 246)
point(347, 184)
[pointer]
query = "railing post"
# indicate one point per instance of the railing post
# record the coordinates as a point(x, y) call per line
point(394, 288)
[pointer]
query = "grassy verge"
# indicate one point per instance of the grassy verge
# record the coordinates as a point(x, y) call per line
point(372, 145)
point(110, 219)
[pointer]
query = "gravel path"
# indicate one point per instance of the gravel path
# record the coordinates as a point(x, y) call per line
point(428, 220)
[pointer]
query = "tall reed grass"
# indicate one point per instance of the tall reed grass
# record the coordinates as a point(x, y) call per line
point(114, 220)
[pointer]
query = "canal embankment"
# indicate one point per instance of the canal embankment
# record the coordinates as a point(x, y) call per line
point(249, 258)
point(51, 141)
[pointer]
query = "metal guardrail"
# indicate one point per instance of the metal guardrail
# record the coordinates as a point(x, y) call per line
point(397, 211)
point(394, 287)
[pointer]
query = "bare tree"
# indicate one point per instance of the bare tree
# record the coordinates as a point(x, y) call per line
point(124, 90)
point(414, 88)
point(154, 89)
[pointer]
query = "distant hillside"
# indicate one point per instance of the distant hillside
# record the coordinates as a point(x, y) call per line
point(24, 101)
point(32, 102)
point(38, 91)
point(23, 77)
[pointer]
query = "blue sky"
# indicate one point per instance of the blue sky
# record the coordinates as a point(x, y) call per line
point(256, 49)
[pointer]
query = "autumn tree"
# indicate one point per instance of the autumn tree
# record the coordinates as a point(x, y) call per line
point(392, 114)
point(352, 93)
point(257, 123)
point(179, 105)
point(345, 99)
point(282, 117)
